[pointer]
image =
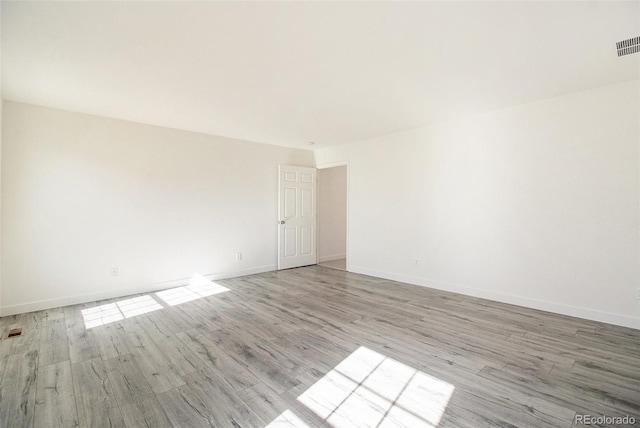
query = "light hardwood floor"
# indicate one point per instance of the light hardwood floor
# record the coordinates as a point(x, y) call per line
point(312, 347)
point(340, 264)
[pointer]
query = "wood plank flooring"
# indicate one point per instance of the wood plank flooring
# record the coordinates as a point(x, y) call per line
point(335, 264)
point(313, 347)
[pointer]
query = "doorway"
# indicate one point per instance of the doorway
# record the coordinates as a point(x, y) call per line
point(332, 216)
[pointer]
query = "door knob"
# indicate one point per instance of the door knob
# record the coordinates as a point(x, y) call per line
point(281, 222)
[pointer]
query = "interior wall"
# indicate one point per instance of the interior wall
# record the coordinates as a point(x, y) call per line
point(332, 213)
point(1, 103)
point(536, 204)
point(82, 195)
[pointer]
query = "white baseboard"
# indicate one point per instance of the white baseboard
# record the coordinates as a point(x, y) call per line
point(559, 308)
point(528, 302)
point(331, 258)
point(122, 292)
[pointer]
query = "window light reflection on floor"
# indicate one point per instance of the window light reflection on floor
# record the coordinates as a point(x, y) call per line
point(198, 287)
point(368, 389)
point(287, 419)
point(111, 312)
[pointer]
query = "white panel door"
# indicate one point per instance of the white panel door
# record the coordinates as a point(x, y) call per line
point(297, 217)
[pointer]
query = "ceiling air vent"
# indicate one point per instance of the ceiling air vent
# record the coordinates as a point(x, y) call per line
point(628, 46)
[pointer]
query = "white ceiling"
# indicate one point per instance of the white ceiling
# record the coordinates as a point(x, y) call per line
point(292, 72)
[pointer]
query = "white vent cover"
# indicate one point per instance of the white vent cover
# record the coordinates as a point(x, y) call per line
point(628, 46)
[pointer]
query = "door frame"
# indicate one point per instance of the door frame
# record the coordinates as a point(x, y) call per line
point(332, 165)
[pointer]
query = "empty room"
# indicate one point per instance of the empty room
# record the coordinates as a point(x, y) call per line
point(319, 214)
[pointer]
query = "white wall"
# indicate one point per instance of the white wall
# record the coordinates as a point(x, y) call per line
point(535, 204)
point(82, 194)
point(1, 103)
point(332, 213)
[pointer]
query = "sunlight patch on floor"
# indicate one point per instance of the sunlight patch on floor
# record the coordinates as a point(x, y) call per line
point(111, 312)
point(287, 419)
point(198, 287)
point(368, 389)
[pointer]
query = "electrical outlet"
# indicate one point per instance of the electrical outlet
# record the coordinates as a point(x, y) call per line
point(115, 271)
point(238, 257)
point(416, 262)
